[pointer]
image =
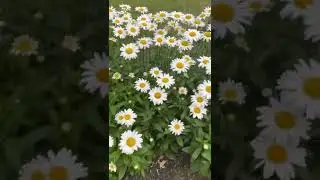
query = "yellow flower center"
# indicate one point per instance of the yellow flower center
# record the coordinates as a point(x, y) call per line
point(142, 85)
point(311, 87)
point(255, 5)
point(117, 21)
point(143, 19)
point(162, 15)
point(177, 126)
point(285, 120)
point(207, 34)
point(129, 50)
point(208, 89)
point(120, 31)
point(58, 173)
point(302, 4)
point(180, 65)
point(125, 18)
point(131, 142)
point(277, 154)
point(184, 43)
point(197, 110)
point(133, 30)
point(192, 34)
point(200, 99)
point(120, 118)
point(144, 24)
point(127, 117)
point(37, 175)
point(24, 46)
point(144, 42)
point(223, 12)
point(177, 16)
point(188, 17)
point(230, 94)
point(103, 75)
point(159, 40)
point(171, 40)
point(197, 21)
point(205, 61)
point(165, 80)
point(157, 95)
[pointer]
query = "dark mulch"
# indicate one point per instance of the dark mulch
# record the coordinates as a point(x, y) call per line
point(178, 169)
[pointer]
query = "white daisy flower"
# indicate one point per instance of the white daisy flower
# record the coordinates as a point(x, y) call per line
point(188, 59)
point(189, 18)
point(71, 43)
point(197, 111)
point(63, 166)
point(119, 32)
point(171, 41)
point(230, 91)
point(176, 127)
point(159, 40)
point(96, 74)
point(24, 45)
point(119, 117)
point(192, 35)
point(142, 85)
point(117, 21)
point(176, 15)
point(165, 80)
point(184, 45)
point(163, 15)
point(130, 141)
point(282, 122)
point(161, 32)
point(129, 117)
point(230, 15)
point(295, 8)
point(129, 51)
point(204, 61)
point(179, 66)
point(157, 95)
point(144, 42)
point(278, 158)
point(200, 99)
point(132, 30)
point(208, 69)
point(37, 168)
point(205, 88)
point(301, 87)
point(155, 72)
point(111, 141)
point(206, 36)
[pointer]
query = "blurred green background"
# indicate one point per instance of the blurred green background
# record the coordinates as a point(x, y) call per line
point(191, 6)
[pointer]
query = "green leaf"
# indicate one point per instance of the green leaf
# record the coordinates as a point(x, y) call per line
point(196, 153)
point(187, 149)
point(207, 155)
point(122, 172)
point(180, 141)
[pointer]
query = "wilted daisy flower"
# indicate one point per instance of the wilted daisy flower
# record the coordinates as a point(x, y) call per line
point(157, 95)
point(179, 66)
point(176, 127)
point(129, 51)
point(205, 88)
point(144, 42)
point(155, 72)
point(312, 23)
point(165, 80)
point(130, 141)
point(192, 35)
point(199, 98)
point(119, 32)
point(142, 85)
point(230, 15)
point(37, 168)
point(183, 90)
point(96, 74)
point(112, 167)
point(159, 40)
point(71, 43)
point(184, 45)
point(24, 45)
point(230, 91)
point(301, 87)
point(204, 61)
point(63, 166)
point(295, 8)
point(278, 157)
point(116, 76)
point(197, 111)
point(111, 142)
point(282, 121)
